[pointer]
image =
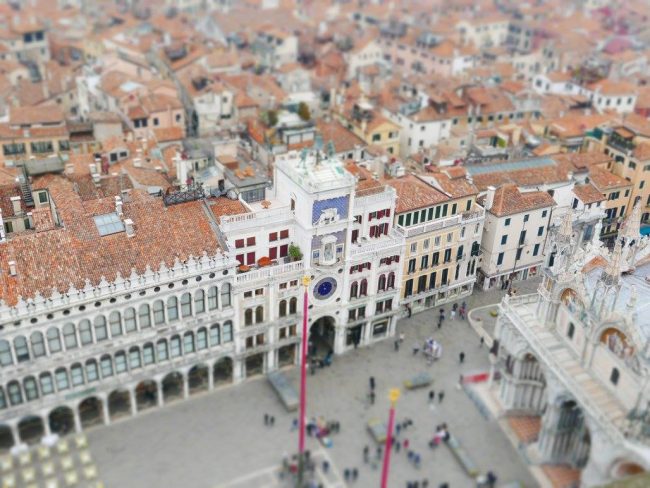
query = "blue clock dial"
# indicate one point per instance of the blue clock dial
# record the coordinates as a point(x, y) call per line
point(325, 288)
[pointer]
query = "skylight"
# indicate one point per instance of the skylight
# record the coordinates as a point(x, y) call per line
point(108, 224)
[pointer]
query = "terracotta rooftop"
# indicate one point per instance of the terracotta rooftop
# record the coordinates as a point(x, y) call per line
point(413, 193)
point(508, 200)
point(343, 139)
point(604, 180)
point(223, 206)
point(588, 193)
point(35, 115)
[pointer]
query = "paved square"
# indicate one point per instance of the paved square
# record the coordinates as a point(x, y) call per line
point(218, 438)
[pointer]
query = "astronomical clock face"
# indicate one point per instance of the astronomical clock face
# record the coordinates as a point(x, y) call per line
point(324, 288)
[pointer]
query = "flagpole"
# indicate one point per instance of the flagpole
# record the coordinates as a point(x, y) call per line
point(303, 382)
point(393, 395)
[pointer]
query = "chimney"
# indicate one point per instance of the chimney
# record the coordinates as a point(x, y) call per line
point(126, 196)
point(118, 206)
point(12, 268)
point(489, 197)
point(15, 203)
point(92, 167)
point(128, 227)
point(3, 237)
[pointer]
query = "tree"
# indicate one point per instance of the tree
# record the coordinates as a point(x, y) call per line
point(271, 118)
point(303, 111)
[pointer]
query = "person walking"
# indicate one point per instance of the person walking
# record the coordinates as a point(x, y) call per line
point(432, 396)
point(355, 474)
point(409, 311)
point(481, 342)
point(406, 444)
point(266, 419)
point(372, 397)
point(452, 314)
point(461, 356)
point(396, 345)
point(416, 348)
point(371, 381)
point(441, 396)
point(366, 453)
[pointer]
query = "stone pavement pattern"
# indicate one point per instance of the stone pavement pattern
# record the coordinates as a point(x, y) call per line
point(215, 439)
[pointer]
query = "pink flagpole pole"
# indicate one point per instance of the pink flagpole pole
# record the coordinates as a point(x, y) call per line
point(303, 381)
point(394, 395)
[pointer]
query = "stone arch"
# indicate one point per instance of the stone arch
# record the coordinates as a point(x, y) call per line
point(31, 429)
point(146, 394)
point(571, 299)
point(172, 386)
point(6, 438)
point(119, 404)
point(322, 335)
point(622, 468)
point(198, 378)
point(223, 371)
point(61, 420)
point(91, 412)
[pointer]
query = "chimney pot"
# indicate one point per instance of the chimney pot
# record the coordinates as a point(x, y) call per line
point(489, 198)
point(12, 268)
point(128, 227)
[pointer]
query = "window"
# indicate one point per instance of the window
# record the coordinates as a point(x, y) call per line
point(540, 231)
point(447, 255)
point(172, 309)
point(259, 315)
point(134, 358)
point(412, 263)
point(225, 295)
point(3, 400)
point(282, 309)
point(161, 350)
point(354, 289)
point(144, 317)
point(69, 336)
point(107, 366)
point(227, 331)
point(108, 224)
point(518, 256)
point(22, 351)
point(15, 395)
point(199, 302)
point(158, 312)
point(571, 331)
point(212, 298)
point(215, 336)
point(500, 259)
point(62, 382)
point(100, 328)
point(522, 237)
point(85, 332)
point(201, 339)
point(248, 316)
point(504, 239)
point(414, 247)
point(381, 283)
point(614, 376)
point(186, 305)
point(120, 362)
point(53, 340)
point(129, 320)
point(188, 342)
point(507, 221)
point(293, 305)
point(38, 344)
point(175, 346)
point(47, 384)
point(115, 322)
point(92, 372)
point(31, 390)
point(536, 250)
point(77, 375)
point(148, 356)
point(526, 217)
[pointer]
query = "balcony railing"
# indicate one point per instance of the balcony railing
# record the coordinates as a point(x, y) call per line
point(231, 223)
point(268, 272)
point(384, 243)
point(459, 219)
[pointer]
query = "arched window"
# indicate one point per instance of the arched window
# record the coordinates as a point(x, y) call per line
point(175, 346)
point(107, 366)
point(15, 394)
point(614, 376)
point(354, 289)
point(5, 353)
point(172, 309)
point(47, 385)
point(115, 322)
point(363, 288)
point(21, 349)
point(293, 305)
point(134, 358)
point(53, 340)
point(62, 381)
point(38, 344)
point(92, 372)
point(158, 313)
point(100, 328)
point(69, 336)
point(77, 374)
point(215, 335)
point(144, 317)
point(259, 315)
point(120, 362)
point(201, 339)
point(3, 399)
point(225, 295)
point(283, 308)
point(199, 301)
point(381, 283)
point(85, 332)
point(162, 352)
point(227, 332)
point(186, 305)
point(390, 283)
point(248, 316)
point(213, 300)
point(188, 342)
point(148, 354)
point(31, 388)
point(130, 324)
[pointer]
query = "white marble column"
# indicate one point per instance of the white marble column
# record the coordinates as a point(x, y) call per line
point(105, 413)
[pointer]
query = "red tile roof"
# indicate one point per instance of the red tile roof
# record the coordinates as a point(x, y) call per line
point(413, 193)
point(508, 200)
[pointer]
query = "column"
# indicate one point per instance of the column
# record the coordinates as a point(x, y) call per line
point(237, 370)
point(46, 426)
point(15, 434)
point(210, 376)
point(186, 386)
point(105, 412)
point(134, 402)
point(77, 421)
point(159, 394)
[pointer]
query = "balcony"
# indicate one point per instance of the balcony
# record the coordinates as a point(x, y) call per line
point(255, 220)
point(393, 240)
point(460, 219)
point(371, 195)
point(277, 268)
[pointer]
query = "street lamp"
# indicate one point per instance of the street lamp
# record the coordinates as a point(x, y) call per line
point(303, 382)
point(393, 395)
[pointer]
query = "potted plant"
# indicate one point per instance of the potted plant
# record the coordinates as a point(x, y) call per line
point(264, 261)
point(243, 268)
point(294, 252)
